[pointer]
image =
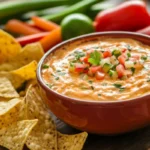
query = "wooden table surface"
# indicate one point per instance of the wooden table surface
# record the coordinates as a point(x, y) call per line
point(136, 140)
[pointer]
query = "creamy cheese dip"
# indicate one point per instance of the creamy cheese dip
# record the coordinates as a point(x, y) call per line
point(69, 70)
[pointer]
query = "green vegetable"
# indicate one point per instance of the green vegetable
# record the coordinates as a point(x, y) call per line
point(113, 74)
point(50, 85)
point(128, 54)
point(144, 57)
point(133, 69)
point(95, 58)
point(107, 67)
point(90, 81)
point(71, 67)
point(80, 7)
point(57, 78)
point(129, 47)
point(12, 8)
point(116, 53)
point(117, 85)
point(75, 25)
point(92, 87)
point(45, 66)
point(96, 8)
point(79, 54)
point(43, 12)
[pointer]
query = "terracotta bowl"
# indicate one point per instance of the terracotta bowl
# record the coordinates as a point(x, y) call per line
point(111, 117)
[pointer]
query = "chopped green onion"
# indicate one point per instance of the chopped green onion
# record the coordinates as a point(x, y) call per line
point(113, 74)
point(57, 78)
point(45, 66)
point(116, 52)
point(121, 89)
point(144, 57)
point(107, 67)
point(61, 73)
point(148, 80)
point(117, 85)
point(90, 81)
point(79, 54)
point(92, 87)
point(99, 94)
point(129, 47)
point(128, 54)
point(58, 70)
point(50, 85)
point(133, 69)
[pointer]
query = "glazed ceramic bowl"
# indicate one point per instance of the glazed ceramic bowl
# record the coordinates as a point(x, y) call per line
point(111, 117)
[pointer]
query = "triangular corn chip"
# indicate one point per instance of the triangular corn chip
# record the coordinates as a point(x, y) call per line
point(71, 142)
point(29, 53)
point(44, 135)
point(6, 89)
point(9, 47)
point(9, 111)
point(14, 136)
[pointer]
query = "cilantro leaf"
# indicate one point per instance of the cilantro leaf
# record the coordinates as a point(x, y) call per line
point(45, 66)
point(144, 58)
point(94, 58)
point(79, 54)
point(117, 85)
point(128, 47)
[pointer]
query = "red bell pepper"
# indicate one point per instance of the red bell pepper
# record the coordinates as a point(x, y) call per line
point(31, 38)
point(128, 16)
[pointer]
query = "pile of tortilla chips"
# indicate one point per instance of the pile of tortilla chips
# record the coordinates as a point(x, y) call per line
point(24, 118)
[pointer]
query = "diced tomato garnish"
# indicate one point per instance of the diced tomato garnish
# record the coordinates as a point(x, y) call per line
point(84, 59)
point(121, 59)
point(81, 68)
point(124, 50)
point(120, 70)
point(136, 56)
point(99, 75)
point(107, 54)
point(94, 69)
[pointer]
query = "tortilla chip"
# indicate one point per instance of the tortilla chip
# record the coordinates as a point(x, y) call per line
point(15, 80)
point(22, 110)
point(5, 106)
point(71, 142)
point(9, 111)
point(6, 89)
point(27, 72)
point(20, 76)
point(29, 53)
point(44, 135)
point(9, 47)
point(14, 136)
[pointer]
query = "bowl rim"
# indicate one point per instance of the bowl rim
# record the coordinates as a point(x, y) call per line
point(76, 100)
